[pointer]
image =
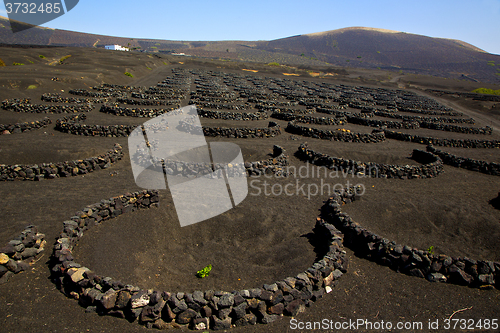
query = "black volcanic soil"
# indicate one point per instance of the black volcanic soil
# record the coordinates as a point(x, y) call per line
point(261, 240)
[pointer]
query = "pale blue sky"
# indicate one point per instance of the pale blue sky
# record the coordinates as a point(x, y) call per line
point(474, 21)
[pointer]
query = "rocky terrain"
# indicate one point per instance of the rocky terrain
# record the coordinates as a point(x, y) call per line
point(368, 199)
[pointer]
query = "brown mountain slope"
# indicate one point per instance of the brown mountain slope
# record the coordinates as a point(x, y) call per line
point(371, 48)
point(349, 47)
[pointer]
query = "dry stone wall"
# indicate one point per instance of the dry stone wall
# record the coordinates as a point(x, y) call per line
point(401, 258)
point(383, 123)
point(272, 130)
point(145, 102)
point(56, 98)
point(432, 165)
point(397, 115)
point(276, 109)
point(489, 168)
point(130, 112)
point(220, 106)
point(274, 165)
point(309, 119)
point(25, 106)
point(211, 309)
point(232, 115)
point(415, 124)
point(24, 127)
point(474, 96)
point(199, 310)
point(375, 136)
point(42, 171)
point(86, 93)
point(466, 143)
point(73, 125)
point(16, 256)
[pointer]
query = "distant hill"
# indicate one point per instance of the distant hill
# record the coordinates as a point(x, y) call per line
point(387, 49)
point(349, 47)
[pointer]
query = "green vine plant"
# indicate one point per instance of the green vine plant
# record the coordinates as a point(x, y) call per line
point(204, 272)
point(431, 249)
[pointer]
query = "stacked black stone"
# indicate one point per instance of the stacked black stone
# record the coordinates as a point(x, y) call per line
point(38, 172)
point(222, 106)
point(474, 96)
point(397, 115)
point(128, 112)
point(24, 127)
point(274, 165)
point(146, 102)
point(459, 129)
point(234, 132)
point(25, 106)
point(72, 125)
point(432, 165)
point(383, 123)
point(86, 93)
point(265, 102)
point(489, 168)
point(401, 258)
point(198, 310)
point(56, 98)
point(309, 119)
point(468, 143)
point(17, 255)
point(276, 109)
point(375, 136)
point(232, 115)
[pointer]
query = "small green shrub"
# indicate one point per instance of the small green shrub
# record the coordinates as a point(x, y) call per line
point(204, 272)
point(148, 68)
point(274, 64)
point(42, 56)
point(64, 58)
point(431, 249)
point(32, 87)
point(128, 74)
point(2, 63)
point(486, 91)
point(18, 64)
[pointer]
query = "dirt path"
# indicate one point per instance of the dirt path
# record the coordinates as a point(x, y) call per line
point(484, 119)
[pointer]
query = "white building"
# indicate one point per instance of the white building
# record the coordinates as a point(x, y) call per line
point(116, 48)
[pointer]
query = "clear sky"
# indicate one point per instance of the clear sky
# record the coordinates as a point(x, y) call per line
point(474, 21)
